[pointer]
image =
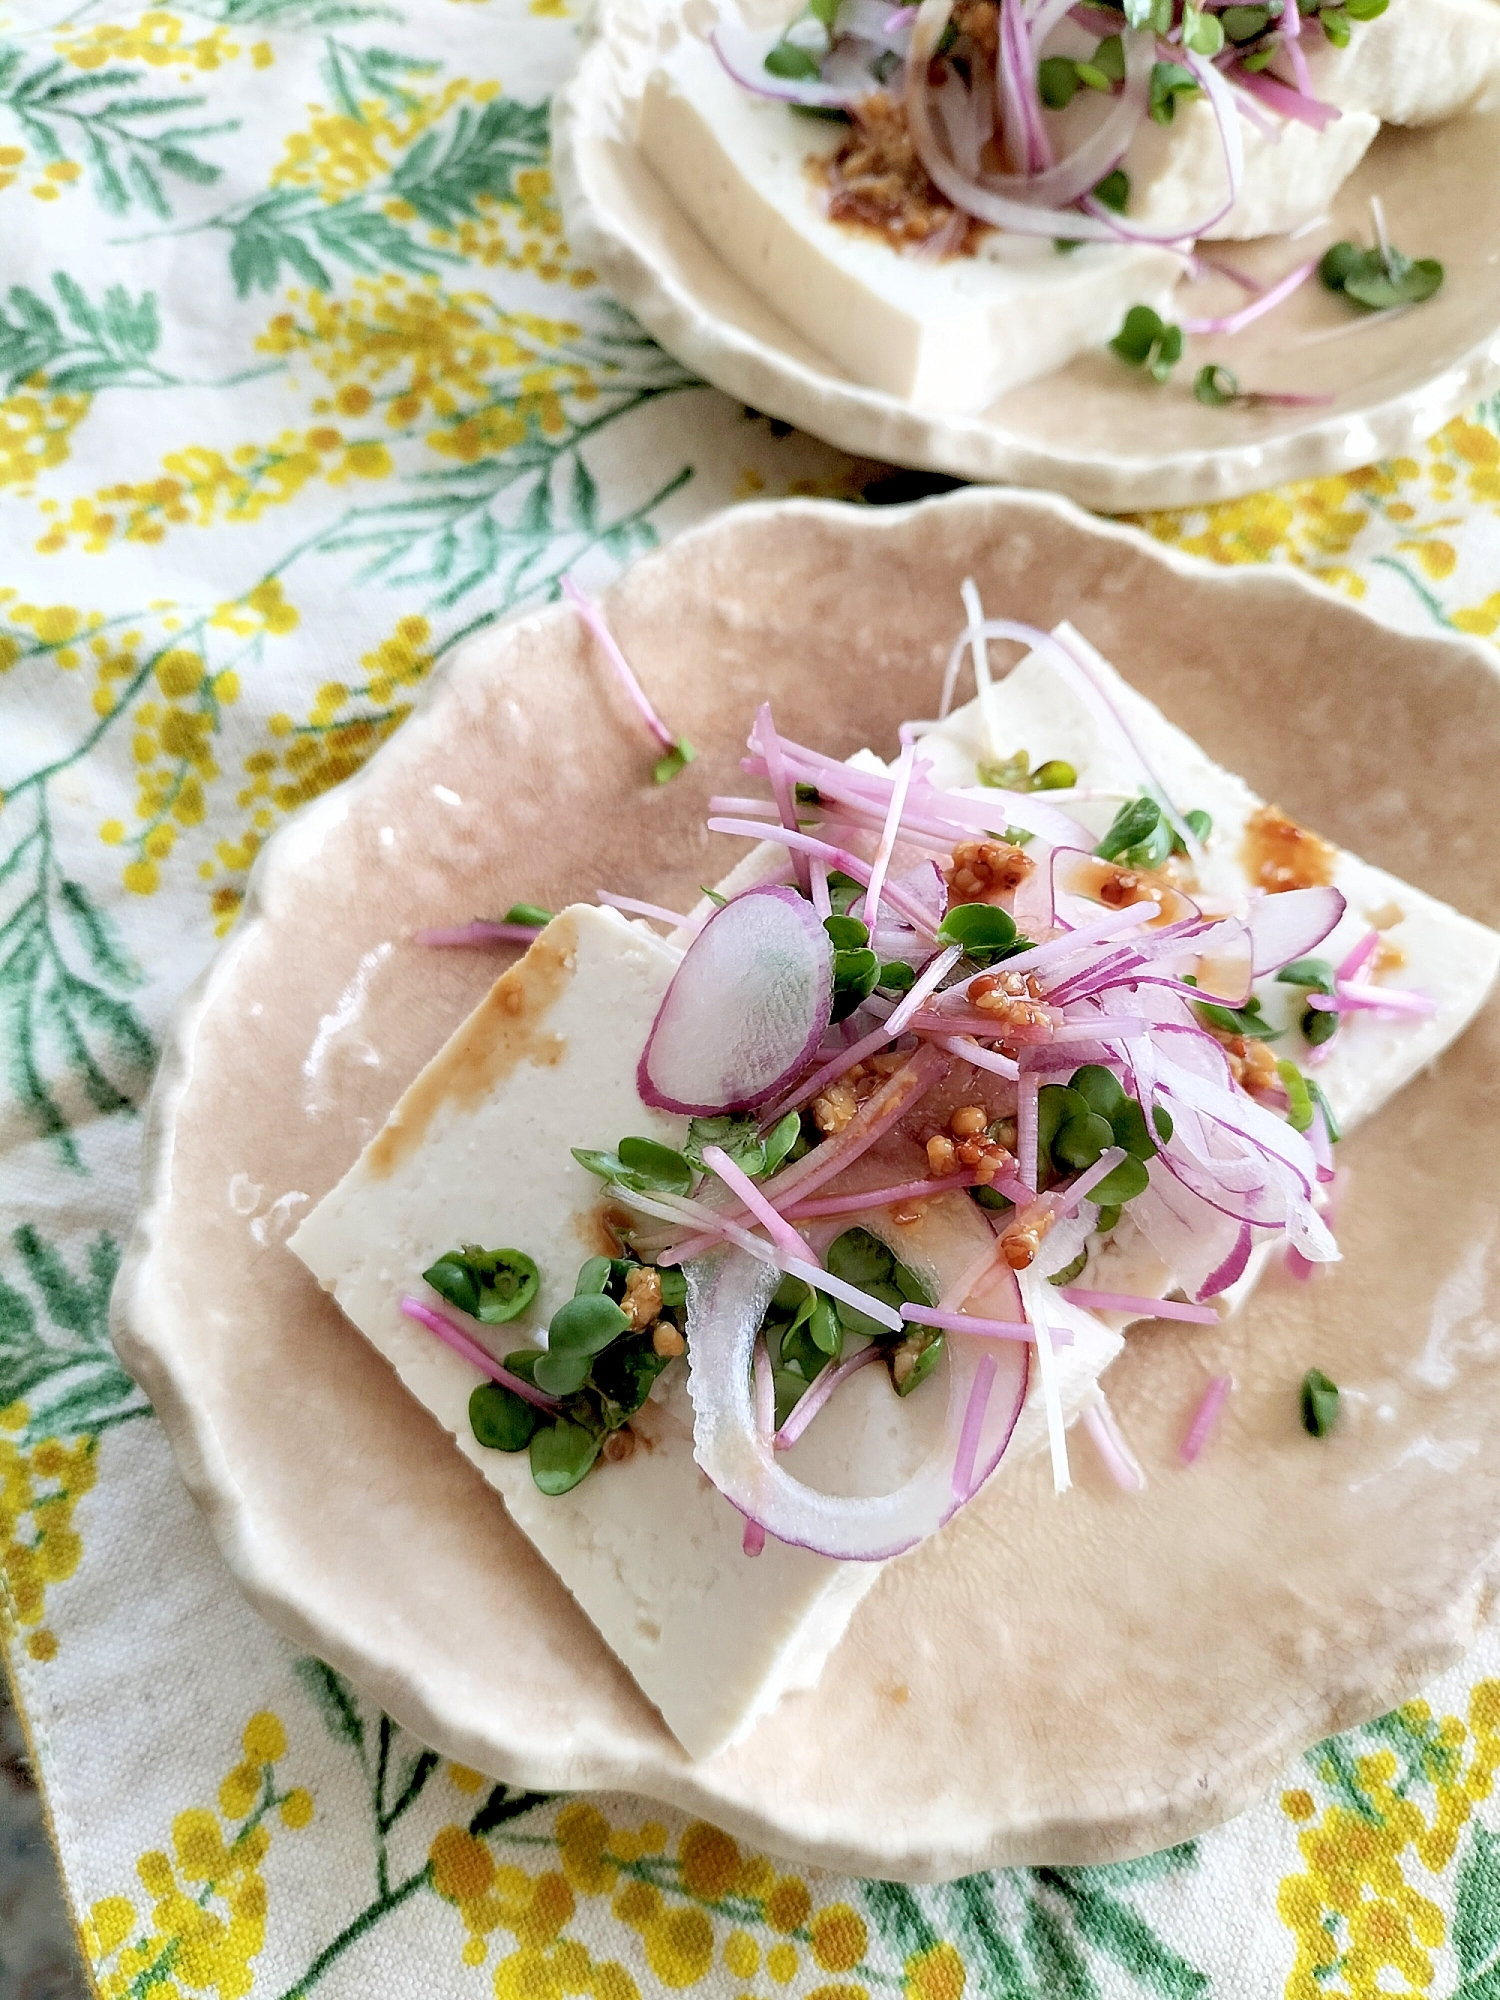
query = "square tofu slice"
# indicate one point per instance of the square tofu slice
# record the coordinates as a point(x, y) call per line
point(478, 1150)
point(951, 334)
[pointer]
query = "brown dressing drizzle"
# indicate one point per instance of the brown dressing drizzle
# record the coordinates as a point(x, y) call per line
point(503, 1031)
point(1278, 854)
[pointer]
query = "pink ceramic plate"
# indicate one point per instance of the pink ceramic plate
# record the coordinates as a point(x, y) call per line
point(1049, 1680)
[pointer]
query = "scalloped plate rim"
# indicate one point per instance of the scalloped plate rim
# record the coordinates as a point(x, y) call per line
point(672, 1780)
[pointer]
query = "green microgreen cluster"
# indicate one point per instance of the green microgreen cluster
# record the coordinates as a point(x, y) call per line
point(1313, 975)
point(1079, 1120)
point(1060, 78)
point(1146, 340)
point(492, 1286)
point(804, 1329)
point(1381, 278)
point(856, 969)
point(594, 1362)
point(527, 913)
point(986, 933)
point(1320, 1403)
point(1014, 774)
point(1141, 836)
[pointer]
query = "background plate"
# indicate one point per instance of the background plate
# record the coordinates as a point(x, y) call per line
point(1048, 1680)
point(1104, 434)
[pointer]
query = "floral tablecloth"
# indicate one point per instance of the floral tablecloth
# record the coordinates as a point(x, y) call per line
point(300, 385)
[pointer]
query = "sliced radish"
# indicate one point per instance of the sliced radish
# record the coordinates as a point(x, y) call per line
point(1287, 926)
point(746, 1009)
point(727, 1299)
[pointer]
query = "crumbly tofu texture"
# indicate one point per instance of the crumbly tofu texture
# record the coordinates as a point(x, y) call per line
point(947, 335)
point(478, 1150)
point(1447, 955)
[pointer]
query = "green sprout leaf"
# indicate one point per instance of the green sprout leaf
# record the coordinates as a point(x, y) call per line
point(1320, 1403)
point(1376, 280)
point(1057, 81)
point(1202, 33)
point(527, 913)
point(985, 932)
point(847, 933)
point(741, 1139)
point(678, 757)
point(643, 1164)
point(1246, 1020)
point(854, 978)
point(1316, 974)
point(1315, 1091)
point(1122, 1184)
point(500, 1419)
point(1136, 824)
point(1114, 192)
point(1169, 82)
point(1071, 1271)
point(1319, 1025)
point(896, 976)
point(915, 1358)
point(1299, 1104)
point(491, 1285)
point(1245, 24)
point(1215, 385)
point(785, 59)
point(562, 1453)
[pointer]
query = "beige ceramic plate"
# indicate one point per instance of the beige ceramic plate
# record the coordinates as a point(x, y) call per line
point(1104, 434)
point(1049, 1680)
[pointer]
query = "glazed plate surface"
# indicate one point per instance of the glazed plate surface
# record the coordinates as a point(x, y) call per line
point(1102, 433)
point(1049, 1680)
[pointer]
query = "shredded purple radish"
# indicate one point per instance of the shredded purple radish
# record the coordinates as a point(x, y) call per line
point(827, 1382)
point(595, 620)
point(480, 931)
point(983, 1329)
point(1132, 1302)
point(632, 906)
point(923, 1066)
point(881, 1197)
point(1267, 302)
point(776, 1226)
point(964, 1482)
point(1205, 1418)
point(453, 1335)
point(753, 1541)
point(1118, 1459)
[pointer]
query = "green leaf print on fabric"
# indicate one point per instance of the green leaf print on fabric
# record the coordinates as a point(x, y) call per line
point(82, 348)
point(98, 121)
point(74, 1046)
point(1476, 1920)
point(356, 76)
point(473, 154)
point(1037, 1933)
point(67, 1375)
point(396, 1774)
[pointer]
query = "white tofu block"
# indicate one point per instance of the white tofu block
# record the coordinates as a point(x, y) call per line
point(1420, 62)
point(478, 1150)
point(946, 335)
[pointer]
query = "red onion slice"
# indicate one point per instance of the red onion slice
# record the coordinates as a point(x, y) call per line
point(1288, 926)
point(727, 1299)
point(746, 1009)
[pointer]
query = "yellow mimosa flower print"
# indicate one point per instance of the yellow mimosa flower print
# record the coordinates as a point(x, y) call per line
point(204, 1924)
point(1360, 1910)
